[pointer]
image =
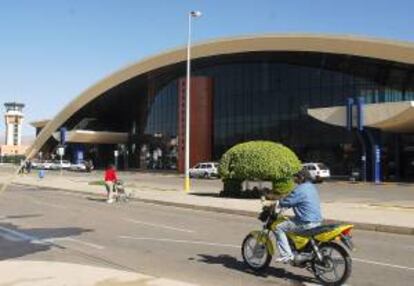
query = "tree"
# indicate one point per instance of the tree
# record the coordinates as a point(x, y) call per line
point(259, 161)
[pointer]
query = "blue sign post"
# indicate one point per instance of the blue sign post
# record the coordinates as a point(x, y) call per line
point(62, 137)
point(355, 120)
point(79, 156)
point(377, 164)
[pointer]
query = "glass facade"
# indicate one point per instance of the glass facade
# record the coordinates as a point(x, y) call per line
point(263, 96)
point(267, 95)
point(162, 116)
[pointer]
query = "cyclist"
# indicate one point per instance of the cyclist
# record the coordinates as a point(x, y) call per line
point(110, 180)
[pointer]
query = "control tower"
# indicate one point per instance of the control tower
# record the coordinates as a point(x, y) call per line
point(14, 119)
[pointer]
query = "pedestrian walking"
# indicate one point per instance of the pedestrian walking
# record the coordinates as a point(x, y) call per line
point(22, 167)
point(89, 166)
point(28, 166)
point(110, 180)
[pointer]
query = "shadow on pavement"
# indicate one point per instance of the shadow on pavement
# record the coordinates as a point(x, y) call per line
point(21, 216)
point(214, 195)
point(102, 200)
point(18, 242)
point(234, 264)
point(247, 196)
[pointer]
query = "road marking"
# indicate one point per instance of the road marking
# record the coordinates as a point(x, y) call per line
point(383, 264)
point(20, 236)
point(179, 241)
point(14, 235)
point(48, 204)
point(158, 225)
point(93, 245)
point(237, 246)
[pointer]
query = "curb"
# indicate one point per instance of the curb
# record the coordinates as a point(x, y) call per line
point(357, 225)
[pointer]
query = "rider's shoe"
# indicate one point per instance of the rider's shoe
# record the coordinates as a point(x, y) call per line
point(285, 259)
point(110, 201)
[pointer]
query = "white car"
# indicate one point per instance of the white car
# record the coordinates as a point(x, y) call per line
point(318, 171)
point(204, 170)
point(81, 167)
point(57, 165)
point(47, 165)
point(36, 164)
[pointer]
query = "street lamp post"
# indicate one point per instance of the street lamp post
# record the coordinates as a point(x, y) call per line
point(192, 14)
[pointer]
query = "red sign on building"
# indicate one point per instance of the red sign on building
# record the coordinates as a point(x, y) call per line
point(201, 120)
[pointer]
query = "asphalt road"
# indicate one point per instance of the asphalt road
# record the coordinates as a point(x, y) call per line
point(192, 246)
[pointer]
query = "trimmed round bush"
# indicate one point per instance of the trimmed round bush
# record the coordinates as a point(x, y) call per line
point(262, 161)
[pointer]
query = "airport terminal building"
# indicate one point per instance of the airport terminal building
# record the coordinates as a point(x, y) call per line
point(293, 89)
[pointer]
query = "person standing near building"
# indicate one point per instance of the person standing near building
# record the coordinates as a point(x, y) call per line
point(110, 180)
point(28, 166)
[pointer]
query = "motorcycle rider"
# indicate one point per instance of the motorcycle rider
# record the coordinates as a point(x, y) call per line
point(304, 200)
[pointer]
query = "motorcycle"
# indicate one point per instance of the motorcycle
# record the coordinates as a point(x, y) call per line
point(321, 250)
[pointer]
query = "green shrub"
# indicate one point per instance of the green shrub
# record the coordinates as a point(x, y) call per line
point(263, 161)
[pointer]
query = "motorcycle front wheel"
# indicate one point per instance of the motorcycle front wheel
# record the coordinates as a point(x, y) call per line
point(255, 254)
point(336, 266)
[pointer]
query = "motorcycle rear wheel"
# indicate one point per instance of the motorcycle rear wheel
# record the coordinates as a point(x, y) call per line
point(332, 264)
point(255, 254)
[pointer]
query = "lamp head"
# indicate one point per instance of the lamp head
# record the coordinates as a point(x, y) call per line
point(195, 14)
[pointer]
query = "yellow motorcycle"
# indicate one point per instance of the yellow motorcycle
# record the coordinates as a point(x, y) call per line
point(321, 250)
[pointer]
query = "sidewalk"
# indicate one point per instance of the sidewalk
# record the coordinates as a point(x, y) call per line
point(388, 216)
point(42, 273)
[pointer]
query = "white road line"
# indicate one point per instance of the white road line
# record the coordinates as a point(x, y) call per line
point(20, 236)
point(9, 237)
point(179, 241)
point(237, 246)
point(48, 204)
point(382, 264)
point(93, 245)
point(158, 225)
point(14, 235)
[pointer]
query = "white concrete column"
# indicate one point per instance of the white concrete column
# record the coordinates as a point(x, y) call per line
point(9, 134)
point(19, 132)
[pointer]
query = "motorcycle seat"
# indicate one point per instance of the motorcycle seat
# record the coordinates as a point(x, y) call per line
point(317, 230)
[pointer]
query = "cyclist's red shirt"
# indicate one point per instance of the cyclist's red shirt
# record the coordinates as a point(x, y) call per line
point(110, 175)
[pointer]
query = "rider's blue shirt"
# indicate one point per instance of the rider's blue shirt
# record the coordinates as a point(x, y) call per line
point(304, 200)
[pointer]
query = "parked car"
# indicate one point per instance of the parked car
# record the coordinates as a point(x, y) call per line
point(204, 170)
point(318, 171)
point(83, 166)
point(47, 165)
point(36, 164)
point(57, 165)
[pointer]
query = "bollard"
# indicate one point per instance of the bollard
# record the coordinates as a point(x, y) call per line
point(41, 174)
